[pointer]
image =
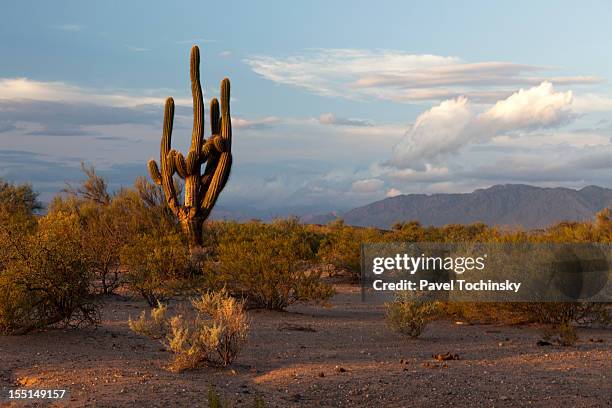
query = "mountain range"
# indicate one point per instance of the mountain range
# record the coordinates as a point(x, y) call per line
point(502, 205)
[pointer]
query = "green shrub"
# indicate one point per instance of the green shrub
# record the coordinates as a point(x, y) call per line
point(157, 266)
point(18, 198)
point(269, 265)
point(342, 246)
point(214, 336)
point(409, 316)
point(45, 278)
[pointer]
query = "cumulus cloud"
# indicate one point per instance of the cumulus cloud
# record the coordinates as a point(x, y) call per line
point(331, 119)
point(590, 102)
point(455, 123)
point(400, 76)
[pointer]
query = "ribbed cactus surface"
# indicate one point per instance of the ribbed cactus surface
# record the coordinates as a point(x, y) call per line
point(201, 189)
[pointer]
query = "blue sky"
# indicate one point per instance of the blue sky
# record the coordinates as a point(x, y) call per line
point(335, 103)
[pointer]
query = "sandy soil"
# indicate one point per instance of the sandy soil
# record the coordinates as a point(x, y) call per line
point(348, 359)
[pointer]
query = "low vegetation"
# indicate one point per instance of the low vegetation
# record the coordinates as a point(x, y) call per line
point(269, 265)
point(45, 272)
point(93, 242)
point(212, 334)
point(410, 316)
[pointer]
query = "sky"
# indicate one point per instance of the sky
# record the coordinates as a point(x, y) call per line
point(335, 104)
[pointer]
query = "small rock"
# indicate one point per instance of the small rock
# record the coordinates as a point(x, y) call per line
point(339, 369)
point(445, 357)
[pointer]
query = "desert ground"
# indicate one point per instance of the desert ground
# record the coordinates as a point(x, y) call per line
point(339, 355)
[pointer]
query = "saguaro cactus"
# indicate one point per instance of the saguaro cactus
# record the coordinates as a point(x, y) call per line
point(201, 190)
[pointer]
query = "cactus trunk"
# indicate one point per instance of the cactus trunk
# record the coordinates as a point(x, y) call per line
point(201, 190)
point(193, 228)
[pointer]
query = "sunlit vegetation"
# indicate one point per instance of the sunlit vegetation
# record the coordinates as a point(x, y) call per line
point(212, 334)
point(91, 242)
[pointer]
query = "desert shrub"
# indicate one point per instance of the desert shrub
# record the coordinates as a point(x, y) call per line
point(155, 327)
point(93, 188)
point(45, 278)
point(409, 315)
point(269, 265)
point(102, 238)
point(563, 334)
point(131, 229)
point(157, 265)
point(18, 198)
point(214, 336)
point(342, 246)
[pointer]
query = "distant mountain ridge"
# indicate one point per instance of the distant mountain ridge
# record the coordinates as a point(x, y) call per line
point(504, 205)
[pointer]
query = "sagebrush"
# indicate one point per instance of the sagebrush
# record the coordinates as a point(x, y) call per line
point(409, 315)
point(213, 335)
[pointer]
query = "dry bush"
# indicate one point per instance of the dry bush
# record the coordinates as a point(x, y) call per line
point(155, 327)
point(214, 336)
point(45, 277)
point(269, 265)
point(409, 315)
point(563, 334)
point(158, 266)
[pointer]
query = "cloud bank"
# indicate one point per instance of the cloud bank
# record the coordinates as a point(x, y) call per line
point(402, 77)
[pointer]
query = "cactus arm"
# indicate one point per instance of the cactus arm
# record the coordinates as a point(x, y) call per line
point(167, 158)
point(198, 101)
point(215, 124)
point(154, 172)
point(226, 120)
point(166, 142)
point(179, 163)
point(224, 163)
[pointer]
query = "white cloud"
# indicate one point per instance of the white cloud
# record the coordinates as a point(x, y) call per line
point(401, 77)
point(393, 192)
point(428, 174)
point(367, 185)
point(331, 119)
point(241, 123)
point(590, 102)
point(536, 107)
point(452, 124)
point(56, 91)
point(225, 54)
